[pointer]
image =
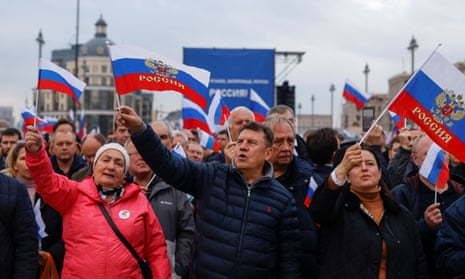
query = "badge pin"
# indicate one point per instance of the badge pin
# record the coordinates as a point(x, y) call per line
point(124, 214)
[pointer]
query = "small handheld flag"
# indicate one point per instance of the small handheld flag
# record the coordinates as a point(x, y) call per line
point(354, 95)
point(434, 167)
point(53, 77)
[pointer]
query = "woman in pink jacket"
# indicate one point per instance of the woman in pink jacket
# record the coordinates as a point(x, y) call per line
point(92, 248)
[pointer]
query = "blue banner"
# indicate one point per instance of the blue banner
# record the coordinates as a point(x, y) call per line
point(236, 72)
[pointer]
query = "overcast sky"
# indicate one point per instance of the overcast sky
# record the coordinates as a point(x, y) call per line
point(338, 37)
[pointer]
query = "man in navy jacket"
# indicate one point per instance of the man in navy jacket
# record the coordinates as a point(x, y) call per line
point(246, 221)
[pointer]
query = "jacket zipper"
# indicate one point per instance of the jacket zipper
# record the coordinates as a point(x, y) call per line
point(246, 212)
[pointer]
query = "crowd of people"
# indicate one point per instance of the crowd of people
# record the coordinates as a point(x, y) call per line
point(270, 204)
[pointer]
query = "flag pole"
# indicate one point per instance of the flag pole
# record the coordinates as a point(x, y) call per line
point(37, 96)
point(397, 95)
point(435, 193)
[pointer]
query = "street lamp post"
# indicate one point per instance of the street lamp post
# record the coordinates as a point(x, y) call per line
point(40, 40)
point(332, 88)
point(313, 111)
point(366, 71)
point(412, 47)
point(299, 110)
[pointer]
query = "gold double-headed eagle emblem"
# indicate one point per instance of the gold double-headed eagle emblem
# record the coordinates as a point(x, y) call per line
point(448, 108)
point(160, 68)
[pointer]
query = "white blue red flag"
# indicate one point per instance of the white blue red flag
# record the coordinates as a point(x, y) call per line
point(312, 185)
point(208, 141)
point(81, 132)
point(258, 106)
point(194, 117)
point(135, 68)
point(398, 124)
point(398, 121)
point(47, 127)
point(53, 77)
point(433, 99)
point(354, 95)
point(435, 167)
point(218, 112)
point(30, 118)
point(178, 151)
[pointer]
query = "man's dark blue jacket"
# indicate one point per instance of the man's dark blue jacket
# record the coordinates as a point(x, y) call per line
point(243, 231)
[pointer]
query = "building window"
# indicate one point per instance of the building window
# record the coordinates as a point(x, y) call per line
point(104, 68)
point(104, 81)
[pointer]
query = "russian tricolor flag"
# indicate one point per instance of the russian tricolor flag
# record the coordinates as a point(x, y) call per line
point(398, 121)
point(135, 68)
point(53, 77)
point(312, 185)
point(194, 117)
point(47, 126)
point(218, 112)
point(207, 141)
point(435, 167)
point(82, 125)
point(29, 116)
point(352, 94)
point(433, 99)
point(178, 151)
point(258, 106)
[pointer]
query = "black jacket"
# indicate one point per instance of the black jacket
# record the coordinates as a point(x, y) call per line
point(243, 231)
point(351, 242)
point(450, 243)
point(297, 180)
point(18, 231)
point(416, 197)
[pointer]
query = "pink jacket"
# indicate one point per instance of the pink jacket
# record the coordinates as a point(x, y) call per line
point(92, 248)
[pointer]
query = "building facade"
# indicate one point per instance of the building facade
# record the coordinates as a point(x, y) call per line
point(98, 101)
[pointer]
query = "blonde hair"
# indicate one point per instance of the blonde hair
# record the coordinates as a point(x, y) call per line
point(12, 157)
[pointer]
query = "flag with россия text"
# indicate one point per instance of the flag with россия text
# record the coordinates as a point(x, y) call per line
point(135, 68)
point(433, 99)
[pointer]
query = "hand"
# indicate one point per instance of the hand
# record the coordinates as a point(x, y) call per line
point(127, 117)
point(43, 256)
point(352, 157)
point(405, 139)
point(375, 136)
point(433, 216)
point(33, 140)
point(230, 151)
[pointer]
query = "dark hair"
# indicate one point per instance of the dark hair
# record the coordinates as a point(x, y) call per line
point(11, 132)
point(64, 121)
point(321, 145)
point(258, 127)
point(381, 182)
point(223, 132)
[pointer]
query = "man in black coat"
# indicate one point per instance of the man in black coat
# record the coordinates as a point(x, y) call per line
point(18, 231)
point(296, 175)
